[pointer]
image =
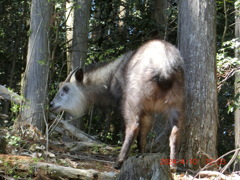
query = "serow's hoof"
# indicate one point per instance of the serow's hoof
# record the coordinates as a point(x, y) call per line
point(173, 168)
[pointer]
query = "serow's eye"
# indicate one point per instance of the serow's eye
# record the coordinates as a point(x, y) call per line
point(65, 89)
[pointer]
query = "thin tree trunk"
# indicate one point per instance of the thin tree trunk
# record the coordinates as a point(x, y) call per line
point(69, 31)
point(80, 32)
point(121, 15)
point(197, 44)
point(15, 49)
point(80, 41)
point(36, 74)
point(12, 74)
point(160, 17)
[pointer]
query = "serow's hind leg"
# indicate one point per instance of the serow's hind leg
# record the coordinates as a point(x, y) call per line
point(146, 123)
point(131, 133)
point(175, 119)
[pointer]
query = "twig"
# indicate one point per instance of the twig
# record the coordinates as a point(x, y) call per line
point(225, 21)
point(72, 119)
point(55, 123)
point(64, 22)
point(46, 124)
point(207, 165)
point(231, 161)
point(212, 173)
point(229, 75)
point(90, 121)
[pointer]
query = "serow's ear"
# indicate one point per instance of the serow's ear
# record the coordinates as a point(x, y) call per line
point(79, 75)
point(60, 84)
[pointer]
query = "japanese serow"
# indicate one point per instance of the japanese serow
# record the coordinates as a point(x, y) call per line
point(142, 82)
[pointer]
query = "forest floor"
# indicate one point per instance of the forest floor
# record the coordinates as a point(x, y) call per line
point(27, 157)
point(32, 157)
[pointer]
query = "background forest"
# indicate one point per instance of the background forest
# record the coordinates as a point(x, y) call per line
point(114, 27)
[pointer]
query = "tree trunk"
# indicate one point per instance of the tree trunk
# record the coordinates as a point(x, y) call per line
point(96, 27)
point(69, 31)
point(16, 53)
point(237, 88)
point(12, 74)
point(145, 166)
point(197, 44)
point(80, 32)
point(121, 15)
point(80, 41)
point(237, 119)
point(36, 74)
point(159, 15)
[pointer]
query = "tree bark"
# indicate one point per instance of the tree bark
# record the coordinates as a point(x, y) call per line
point(159, 15)
point(69, 31)
point(80, 32)
point(36, 74)
point(237, 119)
point(145, 166)
point(237, 89)
point(197, 44)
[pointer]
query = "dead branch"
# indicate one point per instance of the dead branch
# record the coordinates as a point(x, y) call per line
point(228, 76)
point(231, 161)
point(80, 135)
point(211, 173)
point(79, 146)
point(89, 158)
point(5, 93)
point(217, 160)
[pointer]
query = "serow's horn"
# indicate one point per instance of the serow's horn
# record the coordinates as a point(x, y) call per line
point(70, 75)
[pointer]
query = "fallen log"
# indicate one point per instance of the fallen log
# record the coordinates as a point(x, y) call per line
point(75, 132)
point(24, 163)
point(9, 95)
point(76, 146)
point(57, 171)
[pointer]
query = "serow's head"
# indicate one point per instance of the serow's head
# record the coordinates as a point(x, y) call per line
point(70, 96)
